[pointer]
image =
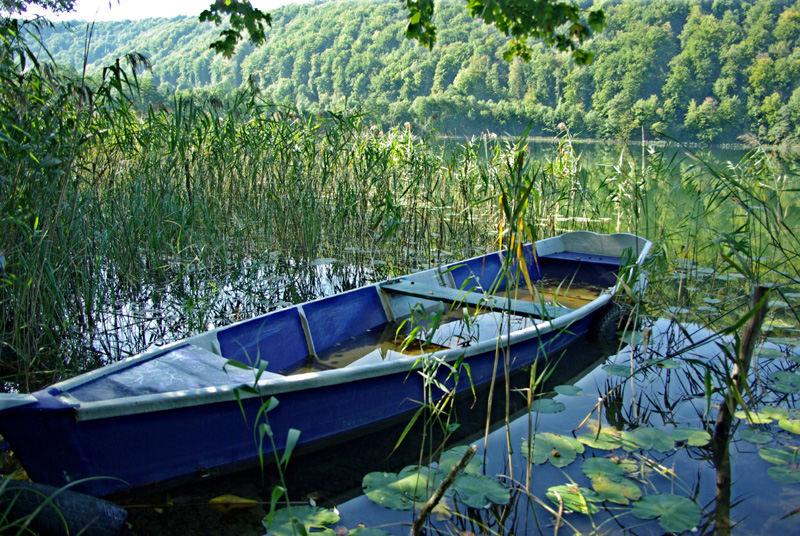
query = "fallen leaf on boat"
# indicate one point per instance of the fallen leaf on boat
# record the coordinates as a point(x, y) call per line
point(227, 503)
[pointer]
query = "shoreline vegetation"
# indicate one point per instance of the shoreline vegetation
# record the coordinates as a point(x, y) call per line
point(693, 71)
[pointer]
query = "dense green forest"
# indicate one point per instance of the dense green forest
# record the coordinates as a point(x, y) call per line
point(695, 70)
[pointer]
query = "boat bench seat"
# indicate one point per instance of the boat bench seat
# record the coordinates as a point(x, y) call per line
point(473, 298)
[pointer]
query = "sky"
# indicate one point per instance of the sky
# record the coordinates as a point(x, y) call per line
point(100, 10)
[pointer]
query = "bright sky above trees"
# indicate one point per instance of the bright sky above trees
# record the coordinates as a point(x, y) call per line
point(105, 10)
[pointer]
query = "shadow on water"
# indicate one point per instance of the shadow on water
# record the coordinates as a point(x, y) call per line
point(332, 474)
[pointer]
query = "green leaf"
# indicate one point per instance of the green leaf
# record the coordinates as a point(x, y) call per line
point(574, 498)
point(568, 390)
point(694, 437)
point(594, 467)
point(652, 438)
point(790, 425)
point(559, 450)
point(619, 370)
point(753, 417)
point(617, 491)
point(785, 382)
point(664, 363)
point(547, 405)
point(756, 436)
point(399, 491)
point(633, 338)
point(480, 491)
point(452, 456)
point(674, 513)
point(778, 456)
point(785, 474)
point(775, 412)
point(313, 518)
point(607, 439)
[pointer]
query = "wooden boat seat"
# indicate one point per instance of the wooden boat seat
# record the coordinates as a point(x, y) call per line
point(473, 298)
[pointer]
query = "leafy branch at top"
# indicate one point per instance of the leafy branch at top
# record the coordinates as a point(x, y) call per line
point(557, 24)
point(243, 16)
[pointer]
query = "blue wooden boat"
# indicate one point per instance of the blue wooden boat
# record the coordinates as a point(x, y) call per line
point(335, 365)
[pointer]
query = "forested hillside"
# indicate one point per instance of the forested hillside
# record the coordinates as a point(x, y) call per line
point(698, 71)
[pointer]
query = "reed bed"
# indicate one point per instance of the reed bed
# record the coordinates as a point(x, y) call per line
point(123, 228)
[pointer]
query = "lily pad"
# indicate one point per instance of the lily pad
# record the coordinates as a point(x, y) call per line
point(399, 491)
point(617, 491)
point(559, 450)
point(480, 491)
point(770, 353)
point(753, 417)
point(785, 382)
point(694, 437)
point(574, 498)
point(756, 436)
point(311, 517)
point(594, 467)
point(785, 474)
point(707, 309)
point(646, 439)
point(778, 456)
point(674, 513)
point(618, 370)
point(452, 456)
point(633, 338)
point(607, 439)
point(712, 301)
point(775, 412)
point(665, 363)
point(547, 405)
point(790, 425)
point(568, 390)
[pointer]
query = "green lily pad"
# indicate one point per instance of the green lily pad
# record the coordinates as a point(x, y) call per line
point(707, 309)
point(311, 517)
point(790, 425)
point(607, 439)
point(694, 437)
point(594, 467)
point(574, 498)
point(770, 353)
point(775, 412)
point(399, 491)
point(618, 370)
point(785, 382)
point(753, 417)
point(674, 310)
point(557, 449)
point(633, 338)
point(785, 474)
point(480, 491)
point(664, 363)
point(568, 390)
point(712, 301)
point(674, 513)
point(547, 405)
point(756, 436)
point(617, 491)
point(452, 456)
point(778, 456)
point(646, 439)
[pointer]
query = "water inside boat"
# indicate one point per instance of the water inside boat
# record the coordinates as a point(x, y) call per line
point(553, 291)
point(388, 341)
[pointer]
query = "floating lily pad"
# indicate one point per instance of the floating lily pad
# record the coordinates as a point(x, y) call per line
point(559, 450)
point(568, 390)
point(480, 491)
point(618, 370)
point(753, 417)
point(775, 412)
point(707, 309)
point(665, 363)
point(790, 425)
point(454, 455)
point(778, 456)
point(674, 513)
point(646, 439)
point(607, 439)
point(777, 304)
point(785, 474)
point(633, 338)
point(574, 498)
point(399, 491)
point(756, 436)
point(677, 310)
point(712, 301)
point(770, 353)
point(594, 467)
point(617, 491)
point(547, 405)
point(785, 382)
point(694, 437)
point(311, 517)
